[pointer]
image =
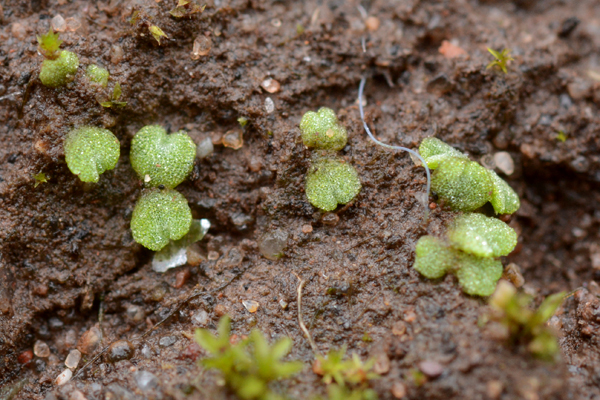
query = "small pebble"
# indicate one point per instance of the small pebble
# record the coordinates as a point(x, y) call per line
point(233, 139)
point(432, 206)
point(307, 229)
point(89, 341)
point(399, 390)
point(488, 161)
point(146, 380)
point(200, 318)
point(77, 395)
point(283, 304)
point(330, 219)
point(255, 164)
point(504, 162)
point(120, 350)
point(147, 351)
point(220, 310)
point(269, 105)
point(194, 257)
point(410, 316)
point(432, 369)
point(270, 85)
point(58, 23)
point(372, 23)
point(116, 54)
point(205, 148)
point(213, 255)
point(250, 305)
point(73, 24)
point(201, 47)
point(64, 377)
point(25, 357)
point(272, 244)
point(382, 364)
point(41, 349)
point(181, 278)
point(399, 328)
point(73, 359)
point(18, 30)
point(512, 273)
point(135, 313)
point(167, 341)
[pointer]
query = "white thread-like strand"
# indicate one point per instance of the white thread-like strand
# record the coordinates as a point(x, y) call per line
point(362, 117)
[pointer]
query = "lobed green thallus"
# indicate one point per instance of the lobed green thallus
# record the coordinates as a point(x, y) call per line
point(464, 184)
point(471, 250)
point(59, 66)
point(89, 151)
point(97, 75)
point(330, 181)
point(161, 159)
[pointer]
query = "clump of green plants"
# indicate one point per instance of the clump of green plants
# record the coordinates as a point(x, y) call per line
point(160, 216)
point(470, 251)
point(330, 180)
point(346, 377)
point(250, 365)
point(90, 151)
point(59, 66)
point(97, 75)
point(501, 59)
point(465, 185)
point(162, 159)
point(187, 8)
point(511, 312)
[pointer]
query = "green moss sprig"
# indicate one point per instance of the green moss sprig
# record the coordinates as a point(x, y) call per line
point(90, 151)
point(59, 66)
point(250, 365)
point(523, 325)
point(470, 251)
point(501, 59)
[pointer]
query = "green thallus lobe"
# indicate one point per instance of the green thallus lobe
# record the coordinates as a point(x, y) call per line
point(89, 151)
point(330, 182)
point(161, 159)
point(97, 75)
point(322, 130)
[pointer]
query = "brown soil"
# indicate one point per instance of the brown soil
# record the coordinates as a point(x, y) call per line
point(68, 260)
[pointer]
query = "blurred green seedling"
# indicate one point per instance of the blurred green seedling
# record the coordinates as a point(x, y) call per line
point(90, 151)
point(474, 243)
point(501, 59)
point(330, 182)
point(250, 365)
point(114, 98)
point(524, 325)
point(59, 66)
point(160, 216)
point(161, 159)
point(321, 130)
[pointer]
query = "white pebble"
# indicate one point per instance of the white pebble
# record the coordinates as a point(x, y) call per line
point(269, 105)
point(504, 162)
point(41, 349)
point(73, 359)
point(205, 148)
point(64, 377)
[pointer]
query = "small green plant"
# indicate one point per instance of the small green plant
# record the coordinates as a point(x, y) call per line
point(501, 59)
point(97, 75)
point(160, 216)
point(465, 185)
point(351, 375)
point(39, 179)
point(561, 136)
point(321, 130)
point(470, 252)
point(59, 66)
point(114, 100)
point(157, 33)
point(330, 182)
point(161, 159)
point(186, 8)
point(523, 325)
point(249, 366)
point(90, 151)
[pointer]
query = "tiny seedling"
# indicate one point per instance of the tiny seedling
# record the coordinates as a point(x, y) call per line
point(322, 130)
point(160, 216)
point(39, 179)
point(470, 252)
point(250, 365)
point(114, 101)
point(524, 325)
point(59, 66)
point(330, 182)
point(97, 75)
point(186, 8)
point(561, 136)
point(501, 59)
point(157, 33)
point(90, 151)
point(161, 159)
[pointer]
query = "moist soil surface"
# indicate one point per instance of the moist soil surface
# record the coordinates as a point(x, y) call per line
point(69, 263)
